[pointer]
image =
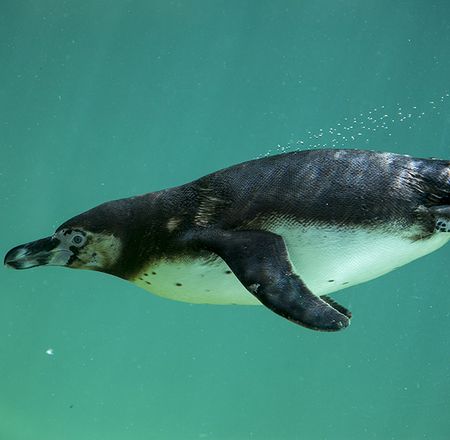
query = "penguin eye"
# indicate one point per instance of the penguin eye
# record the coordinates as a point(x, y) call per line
point(78, 239)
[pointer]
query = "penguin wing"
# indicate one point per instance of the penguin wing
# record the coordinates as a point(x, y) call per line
point(260, 261)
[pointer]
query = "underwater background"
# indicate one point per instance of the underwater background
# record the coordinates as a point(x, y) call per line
point(107, 99)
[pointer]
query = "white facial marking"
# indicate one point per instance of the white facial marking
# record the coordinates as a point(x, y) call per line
point(59, 257)
point(93, 250)
point(101, 251)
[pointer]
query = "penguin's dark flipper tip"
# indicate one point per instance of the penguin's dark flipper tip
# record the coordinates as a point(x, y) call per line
point(328, 319)
point(333, 303)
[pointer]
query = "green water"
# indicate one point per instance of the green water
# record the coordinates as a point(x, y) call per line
point(107, 99)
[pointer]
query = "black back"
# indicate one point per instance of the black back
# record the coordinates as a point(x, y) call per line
point(330, 186)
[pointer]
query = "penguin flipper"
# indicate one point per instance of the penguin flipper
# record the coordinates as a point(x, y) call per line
point(260, 261)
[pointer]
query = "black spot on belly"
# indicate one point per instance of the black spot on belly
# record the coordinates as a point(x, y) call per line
point(178, 284)
point(148, 282)
point(228, 272)
point(331, 281)
point(346, 282)
point(153, 273)
point(145, 274)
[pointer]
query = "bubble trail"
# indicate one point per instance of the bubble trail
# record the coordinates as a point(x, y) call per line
point(359, 130)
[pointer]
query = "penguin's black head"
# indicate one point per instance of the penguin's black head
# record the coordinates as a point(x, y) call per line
point(116, 237)
point(77, 248)
point(88, 241)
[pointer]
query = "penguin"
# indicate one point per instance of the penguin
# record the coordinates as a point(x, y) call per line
point(284, 231)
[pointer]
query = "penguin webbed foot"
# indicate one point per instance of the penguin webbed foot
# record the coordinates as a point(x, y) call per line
point(260, 261)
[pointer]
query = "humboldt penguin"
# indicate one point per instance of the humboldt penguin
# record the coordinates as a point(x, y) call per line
point(283, 231)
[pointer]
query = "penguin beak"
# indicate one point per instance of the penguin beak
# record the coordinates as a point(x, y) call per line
point(38, 253)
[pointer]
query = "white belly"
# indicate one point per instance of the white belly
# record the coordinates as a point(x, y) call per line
point(327, 259)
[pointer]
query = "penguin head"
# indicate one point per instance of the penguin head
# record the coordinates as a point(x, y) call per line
point(77, 248)
point(115, 237)
point(91, 240)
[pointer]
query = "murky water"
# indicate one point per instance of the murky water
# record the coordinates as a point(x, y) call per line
point(102, 100)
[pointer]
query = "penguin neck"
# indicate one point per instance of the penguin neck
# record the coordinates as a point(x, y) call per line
point(149, 235)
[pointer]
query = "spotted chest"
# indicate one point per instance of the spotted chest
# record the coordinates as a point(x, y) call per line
point(198, 280)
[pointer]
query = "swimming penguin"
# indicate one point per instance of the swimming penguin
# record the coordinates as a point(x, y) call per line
point(284, 231)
